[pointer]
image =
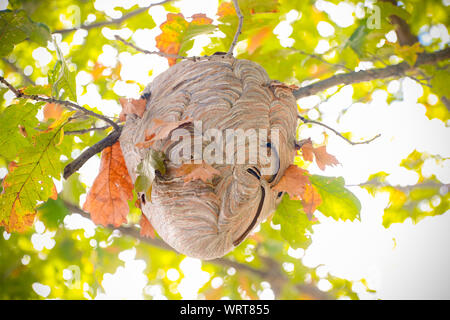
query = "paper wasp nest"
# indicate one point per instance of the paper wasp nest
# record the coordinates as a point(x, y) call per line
point(207, 220)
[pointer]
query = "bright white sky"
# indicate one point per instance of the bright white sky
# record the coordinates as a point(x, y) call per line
point(406, 261)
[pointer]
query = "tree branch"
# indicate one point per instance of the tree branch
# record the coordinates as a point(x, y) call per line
point(272, 274)
point(305, 120)
point(83, 131)
point(159, 53)
point(68, 104)
point(117, 21)
point(321, 59)
point(397, 70)
point(380, 184)
point(90, 152)
point(239, 28)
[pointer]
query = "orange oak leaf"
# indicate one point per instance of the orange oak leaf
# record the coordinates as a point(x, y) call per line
point(54, 194)
point(160, 130)
point(107, 200)
point(136, 106)
point(257, 40)
point(194, 171)
point(226, 9)
point(18, 223)
point(293, 182)
point(307, 150)
point(310, 200)
point(323, 158)
point(200, 19)
point(278, 84)
point(97, 71)
point(146, 227)
point(52, 111)
point(169, 41)
point(174, 32)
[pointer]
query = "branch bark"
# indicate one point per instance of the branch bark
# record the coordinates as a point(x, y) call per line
point(90, 152)
point(305, 120)
point(68, 104)
point(117, 21)
point(239, 28)
point(397, 70)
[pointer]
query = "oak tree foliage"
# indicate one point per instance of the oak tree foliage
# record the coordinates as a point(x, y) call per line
point(40, 134)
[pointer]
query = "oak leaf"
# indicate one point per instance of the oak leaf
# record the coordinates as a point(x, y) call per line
point(322, 157)
point(293, 182)
point(160, 130)
point(258, 39)
point(194, 171)
point(310, 200)
point(307, 151)
point(147, 229)
point(52, 111)
point(177, 31)
point(226, 9)
point(107, 200)
point(132, 106)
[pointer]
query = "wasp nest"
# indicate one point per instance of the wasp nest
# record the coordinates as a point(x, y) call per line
point(201, 219)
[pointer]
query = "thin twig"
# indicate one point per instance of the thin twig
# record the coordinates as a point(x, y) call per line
point(321, 59)
point(68, 104)
point(117, 21)
point(336, 132)
point(83, 131)
point(159, 53)
point(407, 188)
point(239, 28)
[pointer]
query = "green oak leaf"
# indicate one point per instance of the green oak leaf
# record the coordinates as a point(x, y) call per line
point(296, 228)
point(21, 114)
point(32, 180)
point(52, 213)
point(16, 26)
point(337, 201)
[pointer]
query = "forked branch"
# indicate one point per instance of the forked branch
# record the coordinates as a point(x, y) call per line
point(239, 28)
point(305, 120)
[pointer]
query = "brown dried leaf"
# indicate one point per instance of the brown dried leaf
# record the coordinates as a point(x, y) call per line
point(193, 171)
point(307, 151)
point(160, 130)
point(293, 182)
point(129, 106)
point(107, 200)
point(323, 158)
point(147, 229)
